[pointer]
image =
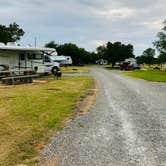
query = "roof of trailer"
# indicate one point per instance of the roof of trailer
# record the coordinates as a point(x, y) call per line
point(25, 48)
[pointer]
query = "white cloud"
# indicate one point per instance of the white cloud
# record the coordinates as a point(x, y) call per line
point(86, 23)
point(117, 13)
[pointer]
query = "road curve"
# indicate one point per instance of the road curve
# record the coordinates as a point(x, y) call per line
point(126, 127)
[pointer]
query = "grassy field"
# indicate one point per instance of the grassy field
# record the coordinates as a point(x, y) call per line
point(74, 69)
point(30, 114)
point(151, 67)
point(150, 75)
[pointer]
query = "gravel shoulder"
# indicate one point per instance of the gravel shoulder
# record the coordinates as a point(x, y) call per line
point(126, 126)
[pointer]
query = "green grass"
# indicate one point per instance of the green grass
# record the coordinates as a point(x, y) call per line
point(77, 69)
point(30, 114)
point(150, 75)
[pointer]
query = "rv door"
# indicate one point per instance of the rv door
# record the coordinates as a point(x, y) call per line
point(22, 61)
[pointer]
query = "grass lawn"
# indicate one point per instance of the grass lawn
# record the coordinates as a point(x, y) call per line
point(30, 114)
point(77, 69)
point(150, 75)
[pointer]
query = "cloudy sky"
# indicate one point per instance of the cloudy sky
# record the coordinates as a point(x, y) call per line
point(87, 23)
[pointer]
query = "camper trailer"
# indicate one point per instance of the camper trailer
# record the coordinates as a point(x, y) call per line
point(27, 57)
point(129, 64)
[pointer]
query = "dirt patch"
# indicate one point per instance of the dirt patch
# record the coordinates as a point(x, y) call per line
point(85, 104)
point(40, 81)
point(54, 162)
point(39, 146)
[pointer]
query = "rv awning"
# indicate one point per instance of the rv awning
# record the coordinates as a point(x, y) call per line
point(20, 48)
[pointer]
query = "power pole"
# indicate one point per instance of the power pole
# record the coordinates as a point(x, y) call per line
point(35, 41)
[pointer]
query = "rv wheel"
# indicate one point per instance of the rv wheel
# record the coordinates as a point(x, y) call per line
point(54, 70)
point(36, 68)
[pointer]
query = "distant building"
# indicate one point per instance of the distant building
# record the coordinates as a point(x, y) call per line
point(102, 62)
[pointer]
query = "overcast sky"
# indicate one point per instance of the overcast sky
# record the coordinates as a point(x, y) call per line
point(87, 23)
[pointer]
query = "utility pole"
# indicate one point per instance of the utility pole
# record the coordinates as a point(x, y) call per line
point(35, 41)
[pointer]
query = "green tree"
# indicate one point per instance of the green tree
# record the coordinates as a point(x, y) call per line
point(51, 44)
point(162, 58)
point(11, 33)
point(5, 36)
point(161, 43)
point(101, 50)
point(149, 52)
point(147, 57)
point(114, 52)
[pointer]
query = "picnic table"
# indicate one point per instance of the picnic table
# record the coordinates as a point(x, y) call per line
point(16, 71)
point(12, 77)
point(18, 79)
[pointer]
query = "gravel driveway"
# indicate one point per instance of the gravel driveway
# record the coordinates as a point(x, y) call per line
point(126, 127)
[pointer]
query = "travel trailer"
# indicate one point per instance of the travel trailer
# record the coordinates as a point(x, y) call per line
point(27, 57)
point(129, 64)
point(132, 61)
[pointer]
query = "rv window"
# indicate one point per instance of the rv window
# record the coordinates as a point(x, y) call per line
point(22, 57)
point(34, 56)
point(46, 59)
point(38, 56)
point(30, 56)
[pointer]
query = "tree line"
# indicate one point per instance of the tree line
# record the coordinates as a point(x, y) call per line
point(111, 51)
point(79, 56)
point(148, 56)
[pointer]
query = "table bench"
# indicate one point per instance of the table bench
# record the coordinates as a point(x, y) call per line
point(18, 79)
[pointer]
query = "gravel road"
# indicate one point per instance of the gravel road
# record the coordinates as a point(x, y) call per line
point(126, 127)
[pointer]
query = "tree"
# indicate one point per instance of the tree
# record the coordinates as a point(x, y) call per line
point(149, 52)
point(162, 58)
point(11, 33)
point(5, 36)
point(147, 57)
point(141, 59)
point(51, 44)
point(160, 44)
point(101, 51)
point(114, 52)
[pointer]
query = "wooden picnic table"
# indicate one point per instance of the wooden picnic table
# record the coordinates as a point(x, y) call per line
point(18, 79)
point(7, 73)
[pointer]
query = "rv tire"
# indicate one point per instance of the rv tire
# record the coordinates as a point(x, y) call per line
point(54, 70)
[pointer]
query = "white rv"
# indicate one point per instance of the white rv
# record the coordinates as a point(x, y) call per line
point(63, 60)
point(27, 57)
point(132, 61)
